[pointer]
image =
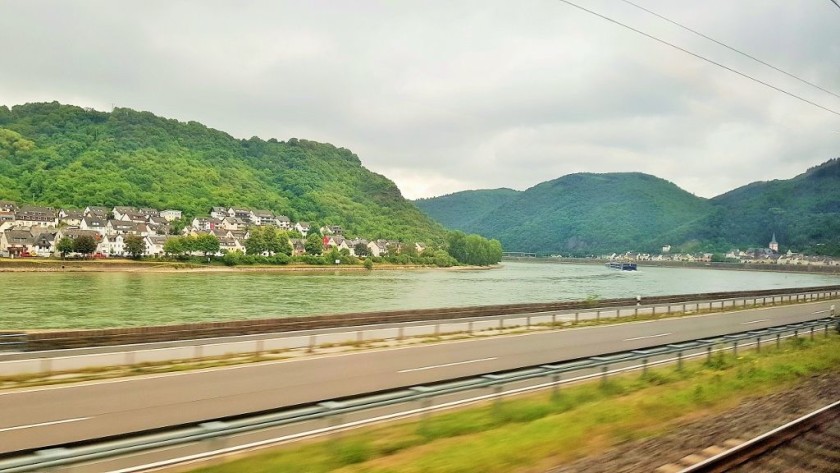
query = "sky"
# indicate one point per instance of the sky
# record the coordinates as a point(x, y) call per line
point(444, 96)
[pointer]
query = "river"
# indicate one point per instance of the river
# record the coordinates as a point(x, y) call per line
point(119, 299)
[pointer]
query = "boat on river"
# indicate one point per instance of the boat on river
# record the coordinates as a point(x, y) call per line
point(621, 266)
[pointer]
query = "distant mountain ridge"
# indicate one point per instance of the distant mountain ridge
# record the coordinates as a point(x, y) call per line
point(615, 212)
point(67, 156)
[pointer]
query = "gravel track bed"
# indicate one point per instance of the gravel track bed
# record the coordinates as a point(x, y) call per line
point(748, 420)
point(817, 451)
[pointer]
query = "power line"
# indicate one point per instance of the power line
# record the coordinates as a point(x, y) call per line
point(703, 58)
point(733, 49)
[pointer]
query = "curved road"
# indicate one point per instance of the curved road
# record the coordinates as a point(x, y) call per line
point(41, 417)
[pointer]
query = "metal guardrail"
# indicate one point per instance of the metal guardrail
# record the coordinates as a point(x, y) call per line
point(12, 341)
point(28, 361)
point(101, 337)
point(66, 455)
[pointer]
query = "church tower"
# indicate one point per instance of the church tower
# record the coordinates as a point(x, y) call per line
point(774, 245)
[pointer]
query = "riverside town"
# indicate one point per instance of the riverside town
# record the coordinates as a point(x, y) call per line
point(33, 231)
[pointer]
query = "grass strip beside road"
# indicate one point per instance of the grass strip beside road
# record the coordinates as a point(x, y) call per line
point(539, 431)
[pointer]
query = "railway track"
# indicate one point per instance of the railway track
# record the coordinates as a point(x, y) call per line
point(808, 444)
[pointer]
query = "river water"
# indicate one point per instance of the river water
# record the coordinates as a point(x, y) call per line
point(92, 300)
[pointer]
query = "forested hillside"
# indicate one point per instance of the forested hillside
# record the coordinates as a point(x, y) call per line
point(604, 213)
point(804, 212)
point(592, 213)
point(61, 155)
point(462, 210)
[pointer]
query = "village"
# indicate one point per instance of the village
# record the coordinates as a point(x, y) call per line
point(751, 256)
point(34, 231)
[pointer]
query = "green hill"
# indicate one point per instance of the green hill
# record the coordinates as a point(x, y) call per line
point(803, 212)
point(462, 210)
point(605, 213)
point(61, 155)
point(587, 213)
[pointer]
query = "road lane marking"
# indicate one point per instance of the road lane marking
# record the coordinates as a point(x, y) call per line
point(446, 365)
point(647, 336)
point(43, 424)
point(754, 321)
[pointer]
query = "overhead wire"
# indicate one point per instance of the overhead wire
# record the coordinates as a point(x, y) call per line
point(731, 48)
point(835, 2)
point(703, 58)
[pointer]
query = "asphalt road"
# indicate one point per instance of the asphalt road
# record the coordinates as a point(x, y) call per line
point(41, 417)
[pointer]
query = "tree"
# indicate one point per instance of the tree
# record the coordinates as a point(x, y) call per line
point(457, 242)
point(189, 244)
point(84, 244)
point(360, 249)
point(392, 249)
point(474, 249)
point(256, 243)
point(284, 245)
point(409, 250)
point(135, 246)
point(314, 244)
point(64, 246)
point(207, 243)
point(176, 226)
point(174, 246)
point(332, 256)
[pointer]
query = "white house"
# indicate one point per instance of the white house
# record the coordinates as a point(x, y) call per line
point(14, 243)
point(262, 217)
point(45, 243)
point(233, 223)
point(218, 212)
point(98, 212)
point(228, 244)
point(171, 215)
point(121, 211)
point(114, 245)
point(155, 243)
point(283, 222)
point(93, 223)
point(71, 217)
point(30, 215)
point(242, 213)
point(303, 228)
point(378, 247)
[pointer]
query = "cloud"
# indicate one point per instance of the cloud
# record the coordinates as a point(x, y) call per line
point(447, 96)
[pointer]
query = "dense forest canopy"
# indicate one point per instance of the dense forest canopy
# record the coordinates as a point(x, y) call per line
point(67, 156)
point(585, 213)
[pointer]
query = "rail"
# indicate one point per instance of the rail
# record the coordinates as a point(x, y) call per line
point(764, 443)
point(63, 455)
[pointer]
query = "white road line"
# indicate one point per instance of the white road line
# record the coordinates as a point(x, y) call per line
point(42, 424)
point(647, 336)
point(447, 364)
point(754, 321)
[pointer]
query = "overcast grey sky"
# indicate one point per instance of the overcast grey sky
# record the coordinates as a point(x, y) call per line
point(443, 96)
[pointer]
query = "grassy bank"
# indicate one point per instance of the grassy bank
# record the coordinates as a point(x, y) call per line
point(533, 433)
